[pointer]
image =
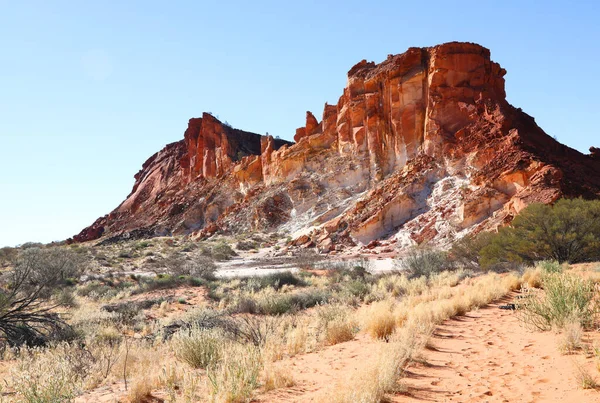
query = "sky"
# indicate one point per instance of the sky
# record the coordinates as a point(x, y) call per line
point(90, 89)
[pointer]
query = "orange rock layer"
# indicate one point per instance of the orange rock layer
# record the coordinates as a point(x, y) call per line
point(422, 147)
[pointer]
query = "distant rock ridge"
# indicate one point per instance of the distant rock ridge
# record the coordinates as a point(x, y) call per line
point(422, 147)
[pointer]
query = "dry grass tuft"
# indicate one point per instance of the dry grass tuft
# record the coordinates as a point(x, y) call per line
point(276, 378)
point(533, 277)
point(571, 338)
point(380, 322)
point(585, 379)
point(236, 376)
point(337, 324)
point(140, 390)
point(198, 347)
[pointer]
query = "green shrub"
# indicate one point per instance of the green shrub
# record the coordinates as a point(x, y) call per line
point(566, 298)
point(275, 304)
point(569, 232)
point(356, 288)
point(222, 251)
point(550, 266)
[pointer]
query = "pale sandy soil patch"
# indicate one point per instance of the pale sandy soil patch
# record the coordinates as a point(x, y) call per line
point(488, 355)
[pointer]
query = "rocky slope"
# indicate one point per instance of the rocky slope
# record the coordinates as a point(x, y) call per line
point(422, 147)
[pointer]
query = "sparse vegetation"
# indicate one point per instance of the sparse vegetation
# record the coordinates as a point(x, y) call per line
point(199, 347)
point(566, 298)
point(424, 262)
point(228, 338)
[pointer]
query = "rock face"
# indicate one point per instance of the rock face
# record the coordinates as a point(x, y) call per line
point(422, 147)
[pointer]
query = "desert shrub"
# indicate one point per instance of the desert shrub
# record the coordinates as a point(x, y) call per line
point(278, 304)
point(142, 245)
point(356, 288)
point(336, 324)
point(125, 254)
point(550, 266)
point(66, 297)
point(197, 346)
point(571, 338)
point(306, 258)
point(50, 268)
point(178, 264)
point(349, 270)
point(276, 378)
point(569, 231)
point(274, 280)
point(382, 374)
point(202, 267)
point(236, 376)
point(424, 262)
point(566, 298)
point(309, 298)
point(255, 330)
point(532, 277)
point(8, 255)
point(246, 304)
point(247, 245)
point(160, 282)
point(97, 290)
point(275, 304)
point(222, 251)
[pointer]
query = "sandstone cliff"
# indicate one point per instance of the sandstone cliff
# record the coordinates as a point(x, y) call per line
point(422, 147)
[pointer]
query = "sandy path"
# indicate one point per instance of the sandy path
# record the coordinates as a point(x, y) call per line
point(316, 374)
point(489, 356)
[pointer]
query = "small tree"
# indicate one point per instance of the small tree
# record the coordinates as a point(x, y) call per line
point(569, 231)
point(26, 316)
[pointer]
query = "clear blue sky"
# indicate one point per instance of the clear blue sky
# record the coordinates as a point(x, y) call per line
point(90, 89)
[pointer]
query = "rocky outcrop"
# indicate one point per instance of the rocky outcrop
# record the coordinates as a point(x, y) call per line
point(422, 147)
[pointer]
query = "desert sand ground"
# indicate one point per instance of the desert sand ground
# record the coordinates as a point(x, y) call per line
point(485, 356)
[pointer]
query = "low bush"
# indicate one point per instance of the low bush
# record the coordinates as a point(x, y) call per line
point(247, 245)
point(566, 298)
point(97, 290)
point(424, 262)
point(550, 266)
point(222, 251)
point(336, 325)
point(278, 304)
point(178, 264)
point(199, 347)
point(274, 280)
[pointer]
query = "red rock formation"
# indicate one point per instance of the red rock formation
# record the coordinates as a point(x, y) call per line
point(422, 147)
